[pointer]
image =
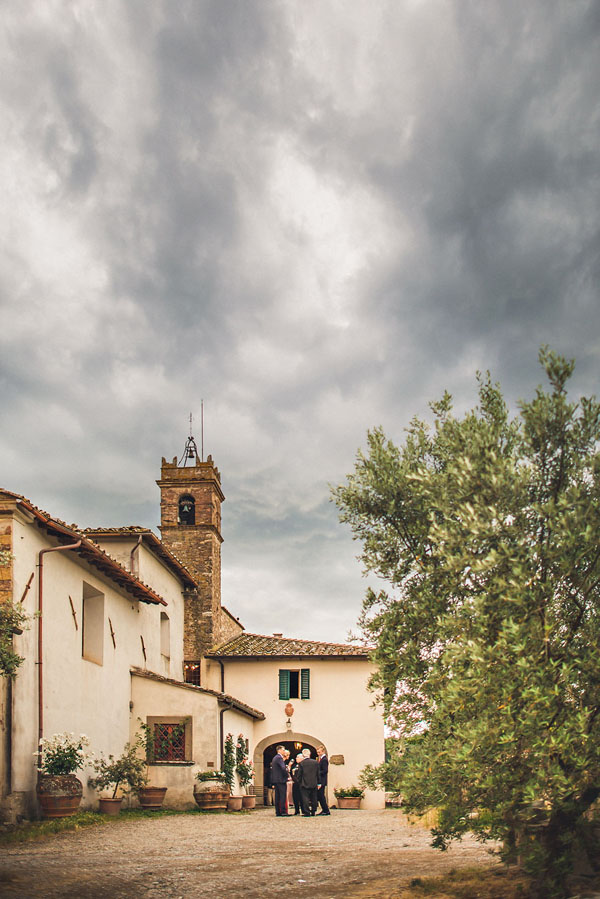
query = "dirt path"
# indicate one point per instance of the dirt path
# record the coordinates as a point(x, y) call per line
point(366, 854)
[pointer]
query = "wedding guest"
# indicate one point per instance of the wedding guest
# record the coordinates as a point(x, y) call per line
point(296, 794)
point(309, 782)
point(279, 776)
point(323, 772)
point(288, 764)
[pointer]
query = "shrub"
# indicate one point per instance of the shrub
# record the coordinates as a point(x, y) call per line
point(349, 793)
point(128, 772)
point(63, 754)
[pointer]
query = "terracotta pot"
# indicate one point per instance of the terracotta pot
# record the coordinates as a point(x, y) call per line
point(248, 801)
point(348, 801)
point(211, 795)
point(110, 806)
point(151, 798)
point(59, 794)
point(234, 803)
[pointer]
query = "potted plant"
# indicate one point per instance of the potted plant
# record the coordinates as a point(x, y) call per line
point(212, 790)
point(155, 744)
point(245, 771)
point(349, 798)
point(126, 772)
point(59, 791)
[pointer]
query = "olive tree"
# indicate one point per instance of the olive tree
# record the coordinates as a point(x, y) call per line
point(486, 529)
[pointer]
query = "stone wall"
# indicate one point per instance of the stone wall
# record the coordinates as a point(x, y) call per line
point(6, 595)
point(6, 584)
point(228, 627)
point(197, 545)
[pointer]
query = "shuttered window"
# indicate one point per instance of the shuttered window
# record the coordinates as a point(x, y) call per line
point(294, 684)
point(305, 683)
point(284, 683)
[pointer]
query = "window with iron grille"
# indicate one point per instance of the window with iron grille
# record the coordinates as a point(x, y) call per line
point(169, 742)
point(191, 672)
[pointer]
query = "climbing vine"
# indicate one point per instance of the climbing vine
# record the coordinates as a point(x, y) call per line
point(229, 760)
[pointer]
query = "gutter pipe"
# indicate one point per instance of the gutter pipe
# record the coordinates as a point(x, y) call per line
point(42, 552)
point(132, 553)
point(222, 732)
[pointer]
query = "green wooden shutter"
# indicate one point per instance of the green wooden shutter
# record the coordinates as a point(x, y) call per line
point(284, 683)
point(305, 683)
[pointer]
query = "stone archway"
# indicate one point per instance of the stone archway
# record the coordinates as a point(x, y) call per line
point(257, 758)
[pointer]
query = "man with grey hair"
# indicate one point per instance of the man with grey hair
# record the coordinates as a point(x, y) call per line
point(308, 779)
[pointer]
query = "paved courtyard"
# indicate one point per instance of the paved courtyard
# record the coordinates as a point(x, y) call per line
point(366, 854)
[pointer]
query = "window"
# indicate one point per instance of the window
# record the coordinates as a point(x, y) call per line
point(191, 672)
point(294, 684)
point(92, 640)
point(169, 742)
point(165, 635)
point(172, 740)
point(187, 510)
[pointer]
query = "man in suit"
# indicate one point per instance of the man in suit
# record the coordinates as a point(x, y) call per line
point(279, 778)
point(308, 779)
point(323, 770)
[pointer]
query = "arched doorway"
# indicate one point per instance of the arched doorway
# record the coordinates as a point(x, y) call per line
point(265, 750)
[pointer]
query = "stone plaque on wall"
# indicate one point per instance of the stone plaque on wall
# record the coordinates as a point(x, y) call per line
point(337, 759)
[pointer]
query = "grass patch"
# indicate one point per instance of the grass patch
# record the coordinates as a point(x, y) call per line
point(37, 830)
point(471, 883)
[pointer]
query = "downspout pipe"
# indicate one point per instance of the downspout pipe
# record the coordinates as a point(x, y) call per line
point(40, 607)
point(132, 554)
point(227, 708)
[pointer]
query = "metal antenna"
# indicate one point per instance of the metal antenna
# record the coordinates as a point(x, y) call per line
point(202, 427)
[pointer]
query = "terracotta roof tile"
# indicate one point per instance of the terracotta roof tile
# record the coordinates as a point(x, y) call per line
point(253, 645)
point(88, 550)
point(153, 542)
point(225, 698)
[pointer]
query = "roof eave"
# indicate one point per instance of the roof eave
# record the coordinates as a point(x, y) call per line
point(95, 556)
point(224, 698)
point(283, 656)
point(154, 544)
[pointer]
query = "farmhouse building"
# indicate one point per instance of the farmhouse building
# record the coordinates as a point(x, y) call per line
point(128, 628)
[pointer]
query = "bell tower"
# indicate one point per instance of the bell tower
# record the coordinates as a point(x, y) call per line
point(190, 514)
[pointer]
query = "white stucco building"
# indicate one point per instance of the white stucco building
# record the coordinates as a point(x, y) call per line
point(130, 628)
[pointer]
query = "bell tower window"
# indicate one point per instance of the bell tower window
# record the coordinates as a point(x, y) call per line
point(187, 510)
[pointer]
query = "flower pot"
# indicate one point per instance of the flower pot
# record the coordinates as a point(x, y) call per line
point(348, 801)
point(110, 806)
point(59, 794)
point(248, 801)
point(211, 795)
point(151, 798)
point(234, 803)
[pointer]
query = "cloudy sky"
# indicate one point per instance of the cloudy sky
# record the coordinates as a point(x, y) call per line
point(316, 215)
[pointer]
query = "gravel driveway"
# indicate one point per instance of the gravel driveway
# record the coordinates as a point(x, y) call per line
point(366, 854)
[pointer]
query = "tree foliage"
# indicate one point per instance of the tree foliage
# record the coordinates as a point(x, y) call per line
point(13, 619)
point(487, 529)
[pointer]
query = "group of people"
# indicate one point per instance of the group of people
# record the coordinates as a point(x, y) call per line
point(307, 778)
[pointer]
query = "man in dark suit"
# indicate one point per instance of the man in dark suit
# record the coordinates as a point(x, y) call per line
point(323, 771)
point(279, 777)
point(308, 779)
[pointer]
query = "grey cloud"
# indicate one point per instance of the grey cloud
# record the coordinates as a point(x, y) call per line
point(159, 243)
